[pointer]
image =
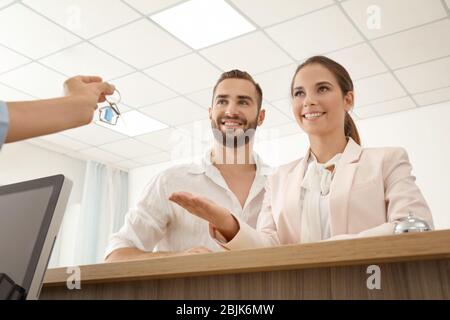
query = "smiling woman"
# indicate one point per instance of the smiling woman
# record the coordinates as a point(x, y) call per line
point(327, 180)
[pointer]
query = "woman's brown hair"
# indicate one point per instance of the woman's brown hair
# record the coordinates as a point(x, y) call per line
point(345, 83)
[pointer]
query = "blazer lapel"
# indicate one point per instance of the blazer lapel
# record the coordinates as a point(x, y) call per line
point(292, 216)
point(341, 188)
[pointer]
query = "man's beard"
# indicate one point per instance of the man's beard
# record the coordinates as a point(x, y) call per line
point(234, 138)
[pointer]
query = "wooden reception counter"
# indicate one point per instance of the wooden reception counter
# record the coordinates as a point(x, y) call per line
point(412, 266)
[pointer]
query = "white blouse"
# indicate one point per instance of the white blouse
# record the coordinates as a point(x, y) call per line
point(314, 198)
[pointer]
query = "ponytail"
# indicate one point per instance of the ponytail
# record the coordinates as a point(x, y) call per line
point(350, 129)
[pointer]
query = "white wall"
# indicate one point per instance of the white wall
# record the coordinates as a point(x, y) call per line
point(23, 161)
point(424, 132)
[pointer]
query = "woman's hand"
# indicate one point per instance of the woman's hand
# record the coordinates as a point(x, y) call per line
point(91, 88)
point(206, 209)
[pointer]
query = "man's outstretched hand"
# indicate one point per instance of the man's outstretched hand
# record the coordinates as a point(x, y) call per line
point(218, 216)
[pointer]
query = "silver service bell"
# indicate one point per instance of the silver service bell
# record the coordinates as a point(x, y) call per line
point(411, 224)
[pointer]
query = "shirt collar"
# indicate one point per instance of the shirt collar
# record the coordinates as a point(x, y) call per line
point(332, 162)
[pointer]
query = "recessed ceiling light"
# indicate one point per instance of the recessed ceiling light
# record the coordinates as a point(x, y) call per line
point(201, 23)
point(134, 123)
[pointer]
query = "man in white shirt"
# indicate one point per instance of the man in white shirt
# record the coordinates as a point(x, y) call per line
point(231, 174)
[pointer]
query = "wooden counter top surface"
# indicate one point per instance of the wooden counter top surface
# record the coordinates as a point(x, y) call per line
point(396, 248)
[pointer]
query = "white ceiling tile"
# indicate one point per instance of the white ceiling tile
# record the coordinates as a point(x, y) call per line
point(261, 54)
point(416, 45)
point(129, 148)
point(175, 111)
point(360, 61)
point(85, 59)
point(153, 159)
point(66, 142)
point(35, 80)
point(136, 44)
point(273, 117)
point(94, 134)
point(101, 155)
point(186, 74)
point(267, 12)
point(4, 3)
point(138, 90)
point(378, 88)
point(432, 97)
point(147, 7)
point(426, 76)
point(393, 15)
point(264, 134)
point(47, 145)
point(9, 59)
point(309, 35)
point(77, 155)
point(127, 165)
point(275, 84)
point(30, 34)
point(165, 139)
point(8, 94)
point(203, 97)
point(85, 17)
point(285, 106)
point(384, 108)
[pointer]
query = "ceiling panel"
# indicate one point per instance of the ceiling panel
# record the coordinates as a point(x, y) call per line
point(9, 59)
point(276, 84)
point(94, 135)
point(316, 37)
point(138, 90)
point(432, 97)
point(135, 44)
point(147, 7)
point(384, 108)
point(425, 43)
point(86, 18)
point(35, 38)
point(376, 89)
point(426, 76)
point(197, 74)
point(175, 111)
point(267, 12)
point(62, 140)
point(101, 155)
point(261, 54)
point(376, 18)
point(360, 61)
point(8, 94)
point(36, 80)
point(86, 59)
point(203, 97)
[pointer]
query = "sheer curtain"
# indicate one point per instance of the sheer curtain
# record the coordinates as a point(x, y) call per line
point(103, 208)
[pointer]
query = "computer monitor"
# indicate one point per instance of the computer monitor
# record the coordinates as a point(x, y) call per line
point(31, 213)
